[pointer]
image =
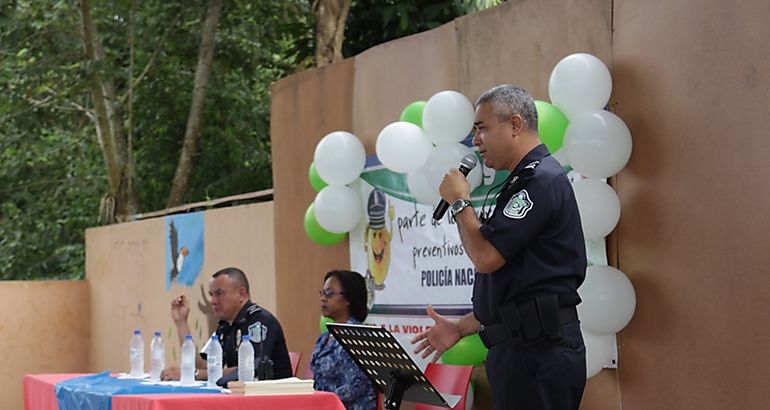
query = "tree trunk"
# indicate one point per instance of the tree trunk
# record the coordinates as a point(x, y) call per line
point(108, 126)
point(330, 18)
point(193, 129)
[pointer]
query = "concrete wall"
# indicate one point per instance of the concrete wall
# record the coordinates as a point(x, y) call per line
point(692, 81)
point(45, 328)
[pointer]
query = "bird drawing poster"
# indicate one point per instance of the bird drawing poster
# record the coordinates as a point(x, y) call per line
point(184, 248)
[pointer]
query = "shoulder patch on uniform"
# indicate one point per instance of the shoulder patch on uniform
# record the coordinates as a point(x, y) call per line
point(518, 205)
point(253, 309)
point(257, 332)
point(532, 165)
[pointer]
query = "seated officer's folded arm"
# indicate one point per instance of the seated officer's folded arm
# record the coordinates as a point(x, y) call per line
point(491, 245)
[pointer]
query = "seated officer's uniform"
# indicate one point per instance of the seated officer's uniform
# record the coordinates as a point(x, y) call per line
point(266, 336)
point(527, 310)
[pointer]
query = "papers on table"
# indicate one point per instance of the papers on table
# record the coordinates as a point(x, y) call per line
point(291, 385)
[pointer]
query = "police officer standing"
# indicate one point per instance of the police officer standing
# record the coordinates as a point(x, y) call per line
point(530, 257)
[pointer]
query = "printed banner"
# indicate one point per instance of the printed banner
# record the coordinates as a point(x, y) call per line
point(409, 259)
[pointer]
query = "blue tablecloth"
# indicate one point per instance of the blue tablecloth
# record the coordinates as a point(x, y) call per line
point(94, 392)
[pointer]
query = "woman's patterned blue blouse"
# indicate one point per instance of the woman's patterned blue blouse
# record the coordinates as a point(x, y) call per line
point(334, 371)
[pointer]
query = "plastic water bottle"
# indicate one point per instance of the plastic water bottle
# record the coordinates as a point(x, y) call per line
point(137, 354)
point(214, 359)
point(246, 360)
point(188, 362)
point(157, 356)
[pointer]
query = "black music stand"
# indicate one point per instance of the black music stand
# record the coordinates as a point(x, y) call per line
point(388, 366)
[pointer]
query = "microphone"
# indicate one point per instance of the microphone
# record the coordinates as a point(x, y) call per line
point(466, 165)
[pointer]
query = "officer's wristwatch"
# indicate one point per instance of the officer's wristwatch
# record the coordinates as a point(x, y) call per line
point(459, 205)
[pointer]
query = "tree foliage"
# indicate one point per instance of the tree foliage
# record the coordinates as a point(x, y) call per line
point(53, 174)
point(373, 22)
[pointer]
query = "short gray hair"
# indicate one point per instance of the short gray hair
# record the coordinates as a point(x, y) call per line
point(508, 100)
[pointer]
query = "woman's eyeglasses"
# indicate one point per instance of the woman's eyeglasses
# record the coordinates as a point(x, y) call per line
point(328, 293)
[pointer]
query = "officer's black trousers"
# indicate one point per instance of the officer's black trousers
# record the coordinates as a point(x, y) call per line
point(542, 377)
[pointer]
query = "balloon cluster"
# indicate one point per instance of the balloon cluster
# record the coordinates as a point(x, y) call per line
point(426, 143)
point(338, 161)
point(596, 144)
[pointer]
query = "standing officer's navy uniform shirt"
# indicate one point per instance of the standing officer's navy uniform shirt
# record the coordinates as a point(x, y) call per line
point(536, 228)
point(263, 329)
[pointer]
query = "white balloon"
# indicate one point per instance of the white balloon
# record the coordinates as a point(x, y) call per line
point(598, 144)
point(580, 83)
point(561, 156)
point(419, 187)
point(402, 147)
point(608, 298)
point(599, 349)
point(362, 189)
point(447, 117)
point(445, 157)
point(337, 208)
point(599, 207)
point(339, 158)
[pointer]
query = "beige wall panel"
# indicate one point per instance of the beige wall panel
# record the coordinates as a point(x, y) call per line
point(243, 236)
point(45, 328)
point(602, 392)
point(521, 41)
point(692, 82)
point(390, 76)
point(305, 107)
point(125, 266)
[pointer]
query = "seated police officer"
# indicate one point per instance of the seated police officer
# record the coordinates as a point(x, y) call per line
point(530, 257)
point(238, 316)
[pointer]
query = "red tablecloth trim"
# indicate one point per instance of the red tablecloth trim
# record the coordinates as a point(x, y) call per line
point(39, 394)
point(314, 401)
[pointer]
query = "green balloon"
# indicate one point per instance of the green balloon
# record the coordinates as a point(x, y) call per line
point(322, 323)
point(468, 351)
point(551, 124)
point(315, 180)
point(318, 234)
point(413, 113)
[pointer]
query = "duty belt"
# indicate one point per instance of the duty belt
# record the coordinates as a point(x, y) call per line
point(498, 333)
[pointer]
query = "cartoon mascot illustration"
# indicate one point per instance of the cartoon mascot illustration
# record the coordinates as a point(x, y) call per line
point(377, 242)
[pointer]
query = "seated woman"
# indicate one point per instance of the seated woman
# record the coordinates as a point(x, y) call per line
point(343, 299)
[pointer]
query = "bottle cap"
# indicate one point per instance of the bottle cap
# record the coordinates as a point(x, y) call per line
point(157, 333)
point(215, 338)
point(137, 332)
point(189, 336)
point(245, 337)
